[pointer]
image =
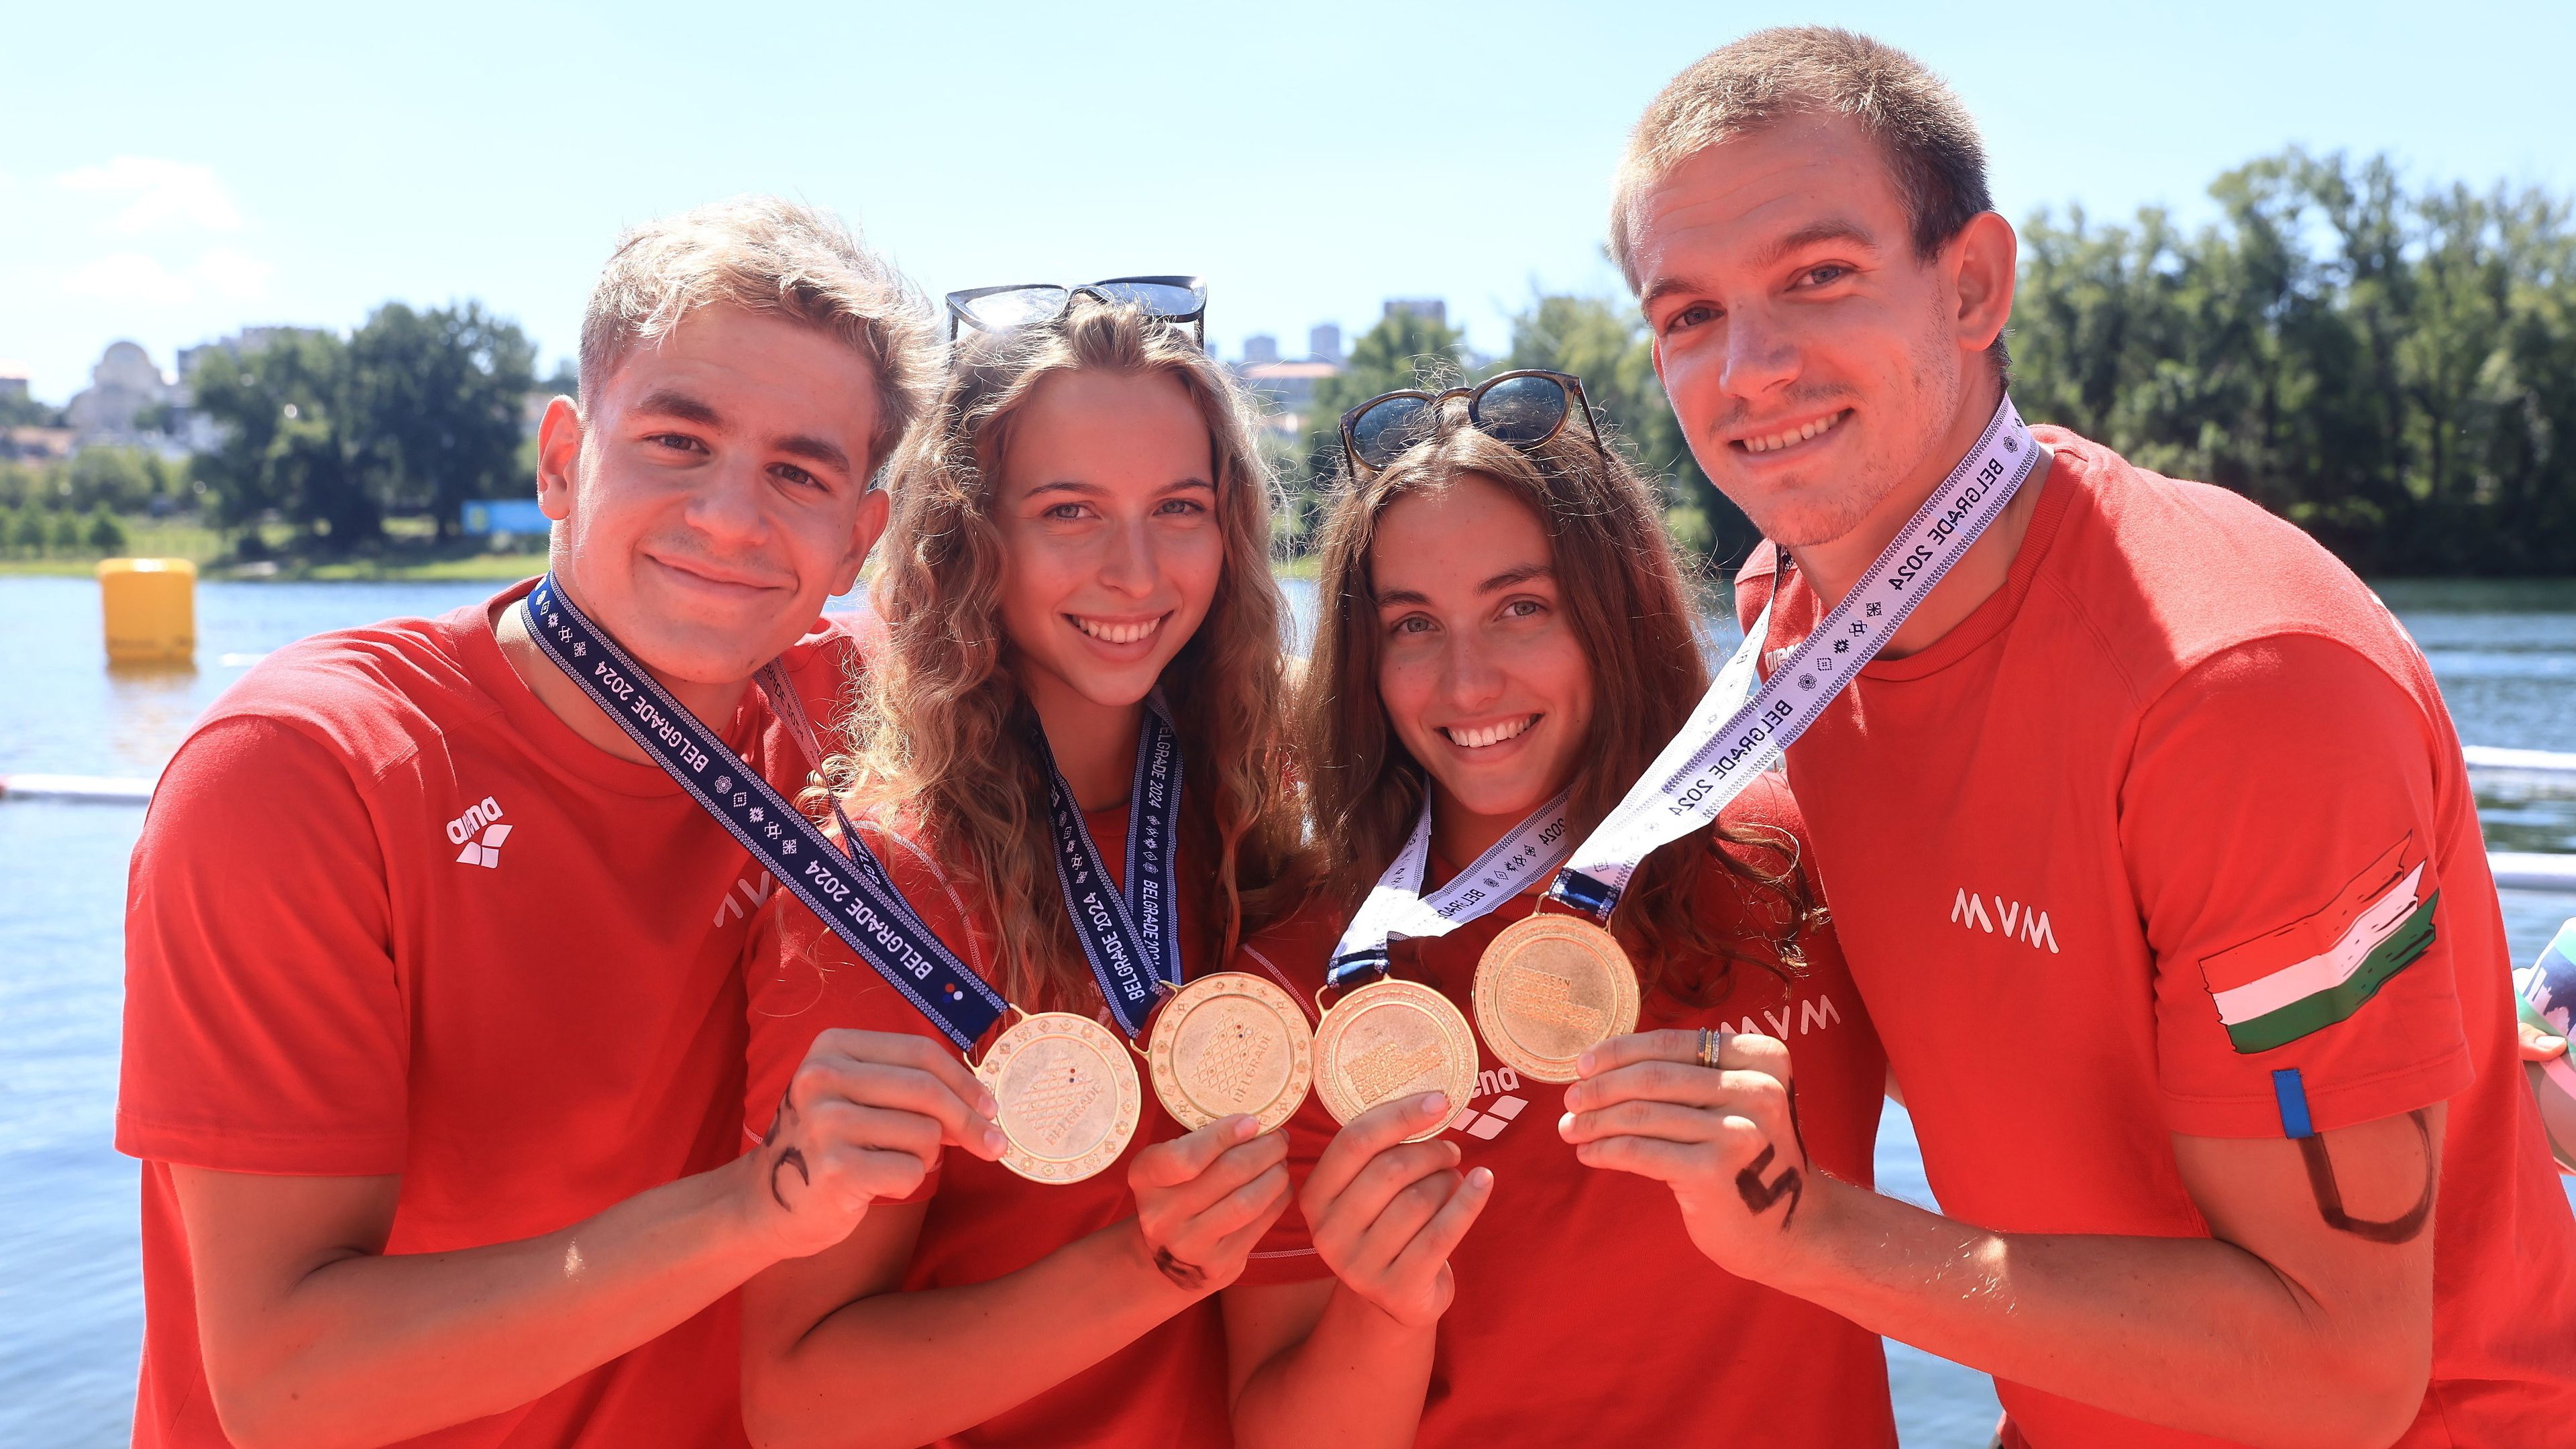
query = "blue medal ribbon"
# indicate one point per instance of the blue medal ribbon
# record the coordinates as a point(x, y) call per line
point(1131, 937)
point(850, 893)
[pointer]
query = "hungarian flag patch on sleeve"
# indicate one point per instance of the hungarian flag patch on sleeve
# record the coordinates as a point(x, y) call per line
point(2314, 972)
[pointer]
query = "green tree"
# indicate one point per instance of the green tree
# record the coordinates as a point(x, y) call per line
point(439, 398)
point(293, 441)
point(105, 534)
point(1402, 351)
point(30, 535)
point(66, 532)
point(1604, 342)
point(124, 480)
point(2395, 372)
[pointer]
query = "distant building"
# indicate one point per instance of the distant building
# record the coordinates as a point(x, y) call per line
point(1287, 390)
point(1324, 342)
point(35, 445)
point(111, 410)
point(13, 382)
point(1260, 348)
point(1434, 310)
point(240, 344)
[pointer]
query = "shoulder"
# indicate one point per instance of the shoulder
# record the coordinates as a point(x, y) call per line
point(1754, 581)
point(370, 695)
point(2165, 574)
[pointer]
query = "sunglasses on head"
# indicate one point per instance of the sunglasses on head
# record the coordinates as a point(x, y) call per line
point(1524, 408)
point(1021, 304)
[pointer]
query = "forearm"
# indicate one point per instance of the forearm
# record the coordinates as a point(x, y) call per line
point(2188, 1332)
point(370, 1348)
point(898, 1368)
point(1357, 1379)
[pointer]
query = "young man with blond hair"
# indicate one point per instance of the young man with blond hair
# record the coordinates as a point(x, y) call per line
point(434, 1019)
point(2147, 836)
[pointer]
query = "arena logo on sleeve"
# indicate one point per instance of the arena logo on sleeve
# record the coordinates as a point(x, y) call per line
point(2315, 972)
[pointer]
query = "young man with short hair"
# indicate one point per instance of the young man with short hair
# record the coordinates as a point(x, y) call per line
point(2147, 835)
point(434, 1018)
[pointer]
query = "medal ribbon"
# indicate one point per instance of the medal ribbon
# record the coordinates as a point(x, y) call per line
point(1130, 936)
point(1396, 905)
point(851, 893)
point(1730, 738)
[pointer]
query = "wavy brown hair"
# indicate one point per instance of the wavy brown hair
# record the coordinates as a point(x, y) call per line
point(1624, 596)
point(941, 731)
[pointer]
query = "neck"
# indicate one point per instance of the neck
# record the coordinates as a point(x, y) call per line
point(713, 704)
point(1094, 744)
point(1459, 835)
point(1835, 567)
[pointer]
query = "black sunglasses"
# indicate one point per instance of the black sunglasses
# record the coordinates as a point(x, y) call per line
point(1021, 304)
point(1524, 408)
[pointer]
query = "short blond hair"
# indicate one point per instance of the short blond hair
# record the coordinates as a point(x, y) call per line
point(1930, 141)
point(767, 255)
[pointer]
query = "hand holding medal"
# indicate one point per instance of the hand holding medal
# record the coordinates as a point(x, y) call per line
point(1387, 1207)
point(1711, 1114)
point(864, 1119)
point(1204, 1200)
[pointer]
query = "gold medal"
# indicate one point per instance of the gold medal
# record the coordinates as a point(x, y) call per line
point(1228, 1043)
point(1069, 1096)
point(1549, 988)
point(1390, 1038)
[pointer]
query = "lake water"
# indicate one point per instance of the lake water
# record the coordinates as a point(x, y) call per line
point(70, 1298)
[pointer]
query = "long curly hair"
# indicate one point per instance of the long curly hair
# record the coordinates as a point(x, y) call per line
point(940, 729)
point(1624, 597)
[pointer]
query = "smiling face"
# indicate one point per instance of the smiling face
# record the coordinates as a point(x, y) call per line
point(1479, 667)
point(716, 493)
point(1817, 363)
point(1111, 548)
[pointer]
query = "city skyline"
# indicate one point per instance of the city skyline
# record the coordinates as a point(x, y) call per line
point(270, 166)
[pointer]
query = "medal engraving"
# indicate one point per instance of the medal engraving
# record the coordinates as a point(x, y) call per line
point(1069, 1097)
point(1228, 1043)
point(1550, 988)
point(1388, 1039)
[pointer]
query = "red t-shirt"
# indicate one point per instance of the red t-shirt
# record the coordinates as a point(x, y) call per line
point(388, 914)
point(1167, 1388)
point(2172, 834)
point(1584, 1314)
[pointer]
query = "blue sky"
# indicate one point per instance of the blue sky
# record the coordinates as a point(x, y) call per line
point(176, 171)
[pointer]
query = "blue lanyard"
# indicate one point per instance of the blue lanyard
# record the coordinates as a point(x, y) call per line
point(1131, 937)
point(853, 895)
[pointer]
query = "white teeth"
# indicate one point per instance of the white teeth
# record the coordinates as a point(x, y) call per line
point(1794, 435)
point(1477, 739)
point(1108, 633)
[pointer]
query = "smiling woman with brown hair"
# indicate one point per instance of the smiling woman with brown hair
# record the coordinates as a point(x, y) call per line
point(1505, 637)
point(1080, 688)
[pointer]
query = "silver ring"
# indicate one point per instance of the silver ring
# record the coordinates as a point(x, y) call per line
point(1710, 1044)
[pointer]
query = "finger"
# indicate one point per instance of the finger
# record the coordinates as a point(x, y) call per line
point(1237, 1167)
point(1667, 1162)
point(1169, 1164)
point(1671, 1044)
point(850, 1178)
point(835, 1123)
point(903, 1049)
point(1405, 1214)
point(2539, 1045)
point(1258, 1200)
point(1662, 1121)
point(1367, 1135)
point(1422, 1258)
point(897, 1088)
point(1229, 1252)
point(1391, 1172)
point(1691, 1086)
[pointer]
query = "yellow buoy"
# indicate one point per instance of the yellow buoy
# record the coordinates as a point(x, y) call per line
point(151, 609)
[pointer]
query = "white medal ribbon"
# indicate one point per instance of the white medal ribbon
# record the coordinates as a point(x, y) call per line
point(1730, 738)
point(1396, 905)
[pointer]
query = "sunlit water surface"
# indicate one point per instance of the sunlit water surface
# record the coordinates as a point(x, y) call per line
point(70, 1295)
